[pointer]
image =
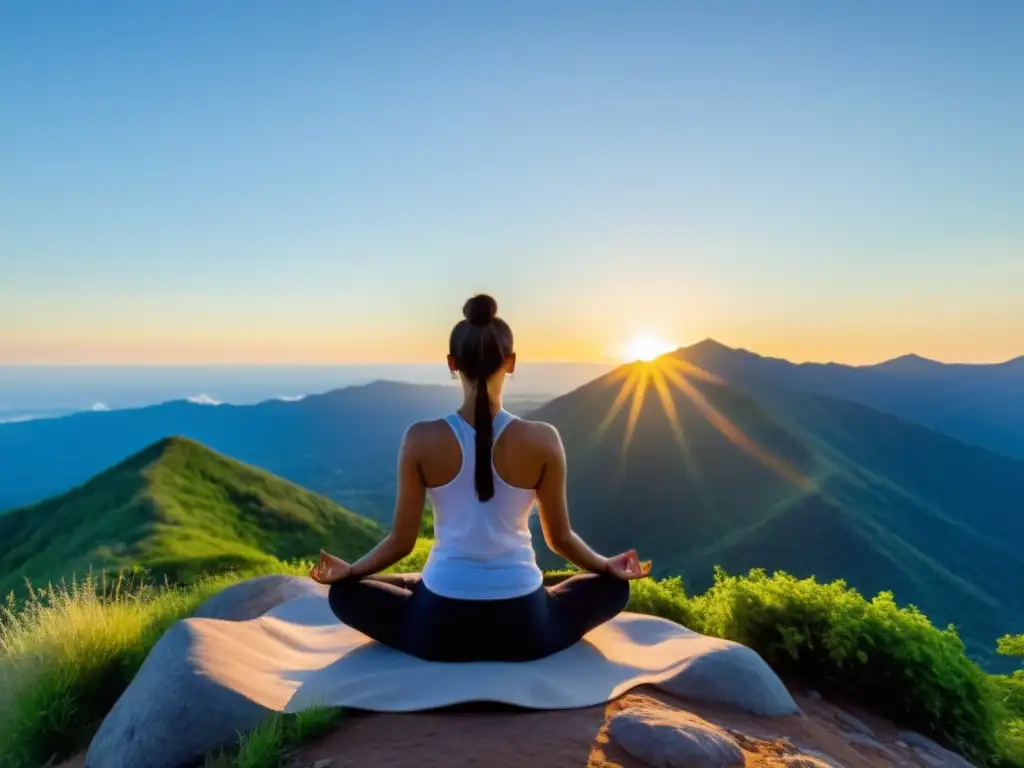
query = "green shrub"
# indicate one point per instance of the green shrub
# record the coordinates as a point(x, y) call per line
point(1011, 693)
point(666, 599)
point(1010, 690)
point(888, 658)
point(1011, 696)
point(1011, 645)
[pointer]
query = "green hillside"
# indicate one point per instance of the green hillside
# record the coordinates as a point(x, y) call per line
point(709, 475)
point(179, 510)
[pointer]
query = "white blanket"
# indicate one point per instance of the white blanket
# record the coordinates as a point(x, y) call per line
point(298, 656)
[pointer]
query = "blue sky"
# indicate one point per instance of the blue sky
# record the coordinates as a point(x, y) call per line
point(326, 182)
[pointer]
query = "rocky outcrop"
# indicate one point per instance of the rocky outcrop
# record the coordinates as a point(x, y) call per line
point(665, 738)
point(272, 644)
point(733, 675)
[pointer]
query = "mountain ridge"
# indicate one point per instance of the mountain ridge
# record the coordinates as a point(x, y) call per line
point(982, 404)
point(179, 510)
point(710, 344)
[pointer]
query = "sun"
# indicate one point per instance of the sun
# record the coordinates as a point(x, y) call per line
point(646, 348)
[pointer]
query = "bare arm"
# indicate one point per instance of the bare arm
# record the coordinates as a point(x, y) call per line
point(554, 510)
point(408, 512)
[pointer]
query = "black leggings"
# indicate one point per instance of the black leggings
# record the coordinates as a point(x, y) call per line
point(400, 612)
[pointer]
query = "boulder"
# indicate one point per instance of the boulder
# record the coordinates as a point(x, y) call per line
point(735, 676)
point(666, 738)
point(171, 714)
point(254, 597)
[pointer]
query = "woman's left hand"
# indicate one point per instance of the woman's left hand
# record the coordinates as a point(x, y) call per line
point(330, 569)
point(627, 566)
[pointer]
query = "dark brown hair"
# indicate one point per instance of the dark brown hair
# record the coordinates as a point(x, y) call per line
point(480, 344)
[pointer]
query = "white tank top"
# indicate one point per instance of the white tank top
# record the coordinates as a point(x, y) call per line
point(482, 550)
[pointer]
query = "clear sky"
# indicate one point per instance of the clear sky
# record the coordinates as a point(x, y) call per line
point(324, 181)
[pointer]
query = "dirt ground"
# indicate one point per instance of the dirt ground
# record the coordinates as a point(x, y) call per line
point(492, 736)
point(500, 738)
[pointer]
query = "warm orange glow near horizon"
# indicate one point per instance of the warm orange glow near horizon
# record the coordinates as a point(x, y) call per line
point(595, 341)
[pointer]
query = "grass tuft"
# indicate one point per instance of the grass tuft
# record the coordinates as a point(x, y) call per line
point(264, 747)
point(273, 743)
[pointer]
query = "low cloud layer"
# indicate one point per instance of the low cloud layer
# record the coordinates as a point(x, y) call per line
point(17, 419)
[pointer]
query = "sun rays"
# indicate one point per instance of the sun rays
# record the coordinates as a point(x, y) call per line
point(666, 373)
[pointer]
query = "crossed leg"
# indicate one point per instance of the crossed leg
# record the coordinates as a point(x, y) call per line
point(585, 601)
point(385, 609)
point(376, 606)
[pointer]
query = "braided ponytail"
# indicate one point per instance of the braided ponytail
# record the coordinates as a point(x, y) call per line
point(480, 344)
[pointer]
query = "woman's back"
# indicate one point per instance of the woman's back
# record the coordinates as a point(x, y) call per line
point(483, 549)
point(481, 595)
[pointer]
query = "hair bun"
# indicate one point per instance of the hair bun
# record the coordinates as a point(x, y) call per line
point(480, 310)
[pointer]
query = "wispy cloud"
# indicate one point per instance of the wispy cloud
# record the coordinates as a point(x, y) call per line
point(291, 398)
point(100, 407)
point(203, 400)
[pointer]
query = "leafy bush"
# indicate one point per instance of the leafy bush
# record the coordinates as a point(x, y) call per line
point(1011, 696)
point(666, 599)
point(1011, 645)
point(885, 657)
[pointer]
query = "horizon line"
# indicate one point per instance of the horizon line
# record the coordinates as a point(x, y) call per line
point(607, 361)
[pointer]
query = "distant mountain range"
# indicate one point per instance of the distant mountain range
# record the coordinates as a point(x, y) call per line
point(32, 392)
point(342, 444)
point(981, 404)
point(700, 473)
point(179, 510)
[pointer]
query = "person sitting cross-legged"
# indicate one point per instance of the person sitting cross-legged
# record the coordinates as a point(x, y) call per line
point(481, 595)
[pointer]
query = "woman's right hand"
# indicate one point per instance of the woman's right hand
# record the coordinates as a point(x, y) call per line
point(627, 566)
point(330, 569)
